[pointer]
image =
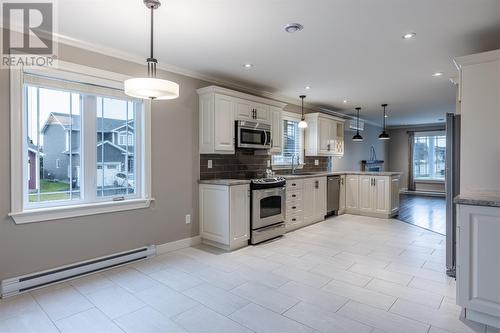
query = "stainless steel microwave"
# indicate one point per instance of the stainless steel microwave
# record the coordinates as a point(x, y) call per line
point(251, 134)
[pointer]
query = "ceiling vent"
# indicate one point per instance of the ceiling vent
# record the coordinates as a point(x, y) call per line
point(353, 127)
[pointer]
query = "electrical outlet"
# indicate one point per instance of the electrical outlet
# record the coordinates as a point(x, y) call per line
point(268, 163)
point(209, 164)
point(316, 162)
point(188, 218)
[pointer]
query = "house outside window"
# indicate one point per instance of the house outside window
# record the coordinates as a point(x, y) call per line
point(69, 129)
point(429, 154)
point(293, 144)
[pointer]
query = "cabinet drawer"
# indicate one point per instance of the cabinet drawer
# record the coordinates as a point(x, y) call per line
point(294, 219)
point(294, 184)
point(293, 207)
point(293, 196)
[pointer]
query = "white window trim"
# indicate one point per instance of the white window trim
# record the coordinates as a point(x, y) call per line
point(66, 70)
point(292, 117)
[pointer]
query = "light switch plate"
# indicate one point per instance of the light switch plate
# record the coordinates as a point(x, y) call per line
point(188, 218)
point(209, 164)
point(316, 162)
point(268, 163)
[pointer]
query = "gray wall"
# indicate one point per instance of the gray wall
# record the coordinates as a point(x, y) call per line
point(357, 151)
point(175, 169)
point(398, 155)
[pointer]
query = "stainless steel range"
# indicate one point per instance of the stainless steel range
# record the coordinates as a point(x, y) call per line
point(268, 208)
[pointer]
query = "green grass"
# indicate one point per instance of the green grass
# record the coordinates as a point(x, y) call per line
point(47, 186)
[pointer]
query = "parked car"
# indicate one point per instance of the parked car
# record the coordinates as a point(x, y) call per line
point(121, 180)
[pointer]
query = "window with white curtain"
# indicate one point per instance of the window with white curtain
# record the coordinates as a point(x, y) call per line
point(293, 144)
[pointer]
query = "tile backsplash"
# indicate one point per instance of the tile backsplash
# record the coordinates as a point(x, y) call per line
point(245, 164)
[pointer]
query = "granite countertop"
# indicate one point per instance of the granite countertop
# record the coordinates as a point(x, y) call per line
point(232, 182)
point(488, 199)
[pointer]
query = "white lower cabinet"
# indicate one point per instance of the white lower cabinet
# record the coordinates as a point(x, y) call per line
point(305, 202)
point(225, 215)
point(342, 197)
point(370, 195)
point(478, 263)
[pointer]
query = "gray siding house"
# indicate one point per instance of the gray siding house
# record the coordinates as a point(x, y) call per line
point(61, 144)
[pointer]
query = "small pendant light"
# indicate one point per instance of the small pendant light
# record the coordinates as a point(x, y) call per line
point(302, 123)
point(151, 87)
point(384, 135)
point(357, 137)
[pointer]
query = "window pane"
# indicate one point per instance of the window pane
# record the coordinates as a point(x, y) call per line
point(292, 144)
point(116, 173)
point(53, 144)
point(429, 153)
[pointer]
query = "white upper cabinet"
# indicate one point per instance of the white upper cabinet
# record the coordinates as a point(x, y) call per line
point(276, 130)
point(220, 107)
point(324, 135)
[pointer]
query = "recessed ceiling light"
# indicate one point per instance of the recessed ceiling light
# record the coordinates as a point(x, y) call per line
point(409, 35)
point(345, 101)
point(293, 27)
point(386, 116)
point(307, 87)
point(437, 74)
point(248, 65)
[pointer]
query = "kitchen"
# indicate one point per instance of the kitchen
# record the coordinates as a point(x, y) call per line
point(252, 205)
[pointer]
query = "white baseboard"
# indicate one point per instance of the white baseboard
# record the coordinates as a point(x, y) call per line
point(176, 245)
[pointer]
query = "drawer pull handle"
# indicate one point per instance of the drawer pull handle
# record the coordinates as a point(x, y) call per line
point(294, 195)
point(294, 219)
point(294, 207)
point(293, 184)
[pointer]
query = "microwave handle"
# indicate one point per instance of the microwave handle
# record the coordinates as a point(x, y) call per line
point(265, 138)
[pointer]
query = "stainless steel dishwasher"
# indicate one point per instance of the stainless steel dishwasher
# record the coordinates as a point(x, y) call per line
point(333, 195)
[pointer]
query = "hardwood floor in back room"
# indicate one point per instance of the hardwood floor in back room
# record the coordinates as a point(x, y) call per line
point(424, 211)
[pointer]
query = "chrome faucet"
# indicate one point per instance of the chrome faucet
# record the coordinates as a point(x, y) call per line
point(295, 166)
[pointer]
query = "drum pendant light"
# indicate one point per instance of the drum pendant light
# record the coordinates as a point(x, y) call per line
point(302, 123)
point(384, 135)
point(151, 87)
point(357, 137)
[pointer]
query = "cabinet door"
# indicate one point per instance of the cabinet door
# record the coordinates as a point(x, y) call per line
point(224, 123)
point(276, 130)
point(262, 112)
point(240, 213)
point(319, 198)
point(339, 140)
point(365, 193)
point(478, 263)
point(214, 213)
point(244, 109)
point(352, 192)
point(381, 194)
point(342, 193)
point(324, 127)
point(206, 132)
point(308, 200)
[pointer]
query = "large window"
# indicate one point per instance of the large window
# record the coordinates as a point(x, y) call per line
point(83, 143)
point(293, 150)
point(429, 152)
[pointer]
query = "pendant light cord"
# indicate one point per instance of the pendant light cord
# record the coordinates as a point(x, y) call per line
point(302, 98)
point(151, 40)
point(151, 60)
point(357, 122)
point(384, 116)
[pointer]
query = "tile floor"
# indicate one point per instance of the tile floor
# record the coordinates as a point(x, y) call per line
point(346, 274)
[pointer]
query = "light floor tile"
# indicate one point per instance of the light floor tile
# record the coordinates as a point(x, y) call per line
point(147, 320)
point(17, 305)
point(341, 275)
point(291, 261)
point(298, 275)
point(220, 278)
point(440, 288)
point(321, 298)
point(324, 321)
point(265, 296)
point(419, 272)
point(359, 294)
point(262, 277)
point(166, 300)
point(404, 292)
point(203, 320)
point(381, 319)
point(91, 283)
point(362, 259)
point(181, 262)
point(399, 278)
point(62, 302)
point(115, 301)
point(132, 280)
point(88, 321)
point(29, 322)
point(216, 299)
point(176, 279)
point(442, 318)
point(263, 320)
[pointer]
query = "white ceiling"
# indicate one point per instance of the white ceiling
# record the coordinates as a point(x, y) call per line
point(349, 49)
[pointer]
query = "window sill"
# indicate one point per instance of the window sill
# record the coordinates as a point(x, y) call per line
point(429, 181)
point(55, 213)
